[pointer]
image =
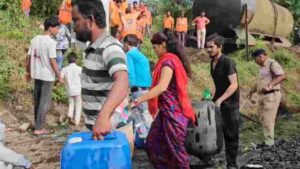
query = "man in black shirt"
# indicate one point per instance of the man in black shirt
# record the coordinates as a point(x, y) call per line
point(226, 96)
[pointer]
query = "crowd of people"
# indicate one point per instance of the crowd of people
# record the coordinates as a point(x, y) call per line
point(113, 71)
point(126, 18)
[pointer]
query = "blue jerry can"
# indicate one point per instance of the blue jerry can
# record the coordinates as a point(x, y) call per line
point(82, 152)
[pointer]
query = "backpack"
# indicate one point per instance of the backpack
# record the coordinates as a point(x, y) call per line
point(207, 137)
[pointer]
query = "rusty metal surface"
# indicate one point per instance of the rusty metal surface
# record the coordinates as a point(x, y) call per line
point(263, 21)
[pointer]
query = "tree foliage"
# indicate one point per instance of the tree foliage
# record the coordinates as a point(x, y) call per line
point(11, 15)
point(294, 7)
point(45, 7)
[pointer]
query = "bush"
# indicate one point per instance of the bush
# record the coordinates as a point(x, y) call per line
point(5, 72)
point(14, 34)
point(158, 21)
point(241, 54)
point(11, 15)
point(59, 94)
point(45, 8)
point(284, 57)
point(147, 49)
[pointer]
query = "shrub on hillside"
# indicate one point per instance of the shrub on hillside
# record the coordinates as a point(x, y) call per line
point(59, 94)
point(45, 8)
point(284, 57)
point(241, 54)
point(13, 34)
point(147, 49)
point(11, 15)
point(5, 72)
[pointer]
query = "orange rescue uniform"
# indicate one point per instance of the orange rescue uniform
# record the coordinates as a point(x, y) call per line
point(129, 25)
point(115, 14)
point(168, 22)
point(65, 12)
point(181, 24)
point(26, 4)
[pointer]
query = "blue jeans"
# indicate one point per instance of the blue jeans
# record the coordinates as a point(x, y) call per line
point(59, 58)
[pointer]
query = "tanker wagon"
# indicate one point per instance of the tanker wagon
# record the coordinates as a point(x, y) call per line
point(265, 20)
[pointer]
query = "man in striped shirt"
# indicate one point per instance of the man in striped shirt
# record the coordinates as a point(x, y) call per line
point(104, 76)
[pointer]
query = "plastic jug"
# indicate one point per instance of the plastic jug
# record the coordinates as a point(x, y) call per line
point(82, 152)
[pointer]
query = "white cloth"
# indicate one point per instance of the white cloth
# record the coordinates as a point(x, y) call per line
point(42, 49)
point(8, 158)
point(72, 74)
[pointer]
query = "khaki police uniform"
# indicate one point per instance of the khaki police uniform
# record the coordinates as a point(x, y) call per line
point(268, 102)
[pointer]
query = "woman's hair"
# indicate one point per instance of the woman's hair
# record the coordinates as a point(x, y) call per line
point(173, 46)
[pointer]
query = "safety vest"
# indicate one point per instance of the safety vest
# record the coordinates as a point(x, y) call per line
point(115, 14)
point(130, 26)
point(181, 24)
point(65, 12)
point(168, 22)
point(26, 4)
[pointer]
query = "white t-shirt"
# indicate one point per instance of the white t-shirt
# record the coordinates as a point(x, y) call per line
point(42, 49)
point(72, 75)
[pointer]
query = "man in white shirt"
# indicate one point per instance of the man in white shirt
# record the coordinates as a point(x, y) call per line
point(41, 66)
point(72, 76)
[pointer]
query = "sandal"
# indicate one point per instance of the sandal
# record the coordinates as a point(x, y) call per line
point(42, 132)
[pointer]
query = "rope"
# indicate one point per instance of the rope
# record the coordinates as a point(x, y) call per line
point(275, 21)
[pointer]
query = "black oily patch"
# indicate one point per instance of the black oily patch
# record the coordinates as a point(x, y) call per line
point(197, 137)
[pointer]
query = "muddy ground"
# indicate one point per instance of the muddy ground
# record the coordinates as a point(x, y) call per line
point(44, 151)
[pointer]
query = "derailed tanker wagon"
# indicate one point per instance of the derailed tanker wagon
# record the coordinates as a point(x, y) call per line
point(265, 19)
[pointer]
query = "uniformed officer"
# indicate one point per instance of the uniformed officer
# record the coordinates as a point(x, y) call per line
point(270, 76)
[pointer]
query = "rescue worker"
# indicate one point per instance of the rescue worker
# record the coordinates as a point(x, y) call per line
point(129, 22)
point(135, 7)
point(117, 11)
point(270, 76)
point(181, 28)
point(65, 13)
point(26, 4)
point(168, 22)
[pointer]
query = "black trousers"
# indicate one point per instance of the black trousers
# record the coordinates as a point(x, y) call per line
point(42, 98)
point(230, 117)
